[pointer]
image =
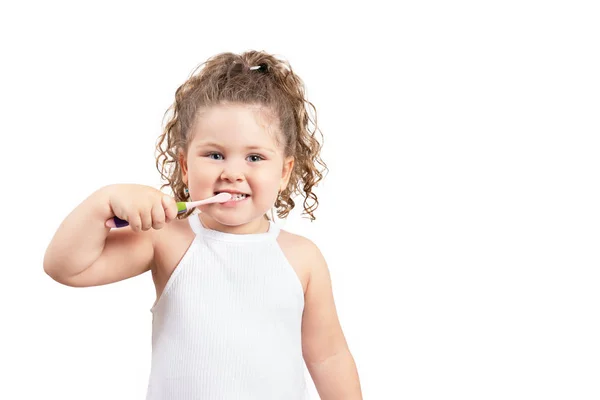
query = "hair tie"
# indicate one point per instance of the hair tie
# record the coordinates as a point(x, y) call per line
point(261, 68)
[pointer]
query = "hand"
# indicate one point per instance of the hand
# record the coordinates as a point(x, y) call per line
point(141, 207)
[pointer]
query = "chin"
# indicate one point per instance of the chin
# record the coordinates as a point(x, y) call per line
point(229, 219)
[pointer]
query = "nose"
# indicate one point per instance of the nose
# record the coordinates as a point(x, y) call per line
point(232, 172)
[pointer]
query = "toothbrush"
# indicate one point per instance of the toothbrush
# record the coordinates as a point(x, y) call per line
point(182, 206)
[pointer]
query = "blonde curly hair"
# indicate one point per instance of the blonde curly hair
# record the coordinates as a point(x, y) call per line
point(253, 77)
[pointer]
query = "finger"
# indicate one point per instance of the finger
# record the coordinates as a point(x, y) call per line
point(158, 216)
point(118, 218)
point(170, 208)
point(135, 221)
point(119, 213)
point(146, 217)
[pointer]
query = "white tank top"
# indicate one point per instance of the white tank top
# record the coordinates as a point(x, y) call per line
point(228, 322)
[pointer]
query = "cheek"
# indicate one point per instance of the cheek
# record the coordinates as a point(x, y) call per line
point(199, 170)
point(266, 182)
point(201, 178)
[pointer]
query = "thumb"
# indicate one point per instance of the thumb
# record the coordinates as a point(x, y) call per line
point(170, 207)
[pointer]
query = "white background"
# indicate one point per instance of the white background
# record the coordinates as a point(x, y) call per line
point(460, 218)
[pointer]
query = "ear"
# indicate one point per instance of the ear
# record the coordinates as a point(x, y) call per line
point(183, 164)
point(288, 167)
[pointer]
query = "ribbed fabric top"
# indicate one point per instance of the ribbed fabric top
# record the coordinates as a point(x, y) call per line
point(227, 324)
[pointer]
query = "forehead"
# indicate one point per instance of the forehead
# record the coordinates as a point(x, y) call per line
point(235, 124)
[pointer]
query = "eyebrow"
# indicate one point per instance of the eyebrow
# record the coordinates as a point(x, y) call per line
point(213, 144)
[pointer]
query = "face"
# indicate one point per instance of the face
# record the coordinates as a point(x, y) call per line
point(233, 148)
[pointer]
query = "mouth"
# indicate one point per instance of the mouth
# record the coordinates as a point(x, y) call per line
point(236, 196)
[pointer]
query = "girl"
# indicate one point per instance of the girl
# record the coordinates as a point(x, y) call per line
point(241, 305)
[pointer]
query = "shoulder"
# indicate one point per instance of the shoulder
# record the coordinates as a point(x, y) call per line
point(292, 239)
point(170, 243)
point(301, 246)
point(304, 255)
point(175, 231)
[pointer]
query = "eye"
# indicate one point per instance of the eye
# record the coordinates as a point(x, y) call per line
point(209, 155)
point(255, 157)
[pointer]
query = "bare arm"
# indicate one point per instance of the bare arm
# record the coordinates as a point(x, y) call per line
point(83, 252)
point(324, 346)
point(336, 377)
